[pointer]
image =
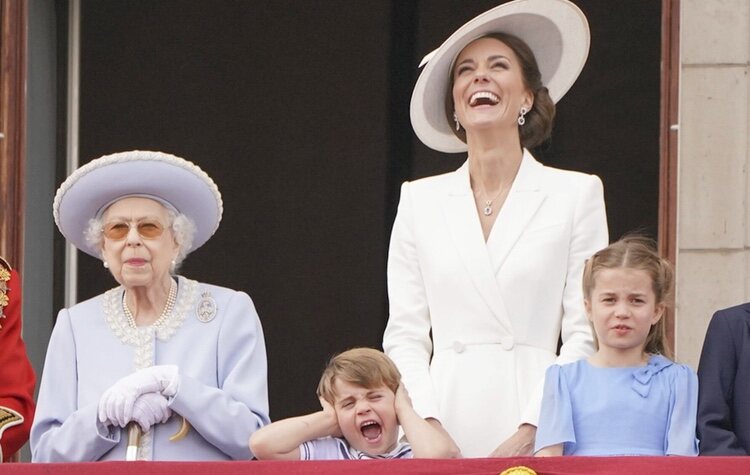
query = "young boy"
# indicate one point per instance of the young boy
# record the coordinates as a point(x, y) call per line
point(363, 405)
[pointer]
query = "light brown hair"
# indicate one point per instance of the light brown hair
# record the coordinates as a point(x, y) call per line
point(538, 126)
point(639, 253)
point(365, 367)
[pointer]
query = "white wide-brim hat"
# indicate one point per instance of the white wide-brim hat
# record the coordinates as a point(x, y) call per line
point(557, 33)
point(168, 179)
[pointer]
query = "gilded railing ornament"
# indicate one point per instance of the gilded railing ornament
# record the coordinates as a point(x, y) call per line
point(519, 470)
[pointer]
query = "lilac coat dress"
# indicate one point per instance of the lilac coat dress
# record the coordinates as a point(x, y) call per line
point(221, 357)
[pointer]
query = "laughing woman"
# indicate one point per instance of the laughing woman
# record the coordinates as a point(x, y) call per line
point(485, 263)
point(158, 346)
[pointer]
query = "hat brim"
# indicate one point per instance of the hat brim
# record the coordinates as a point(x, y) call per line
point(557, 33)
point(167, 178)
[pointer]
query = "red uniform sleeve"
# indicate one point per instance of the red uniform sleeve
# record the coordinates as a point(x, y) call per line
point(16, 374)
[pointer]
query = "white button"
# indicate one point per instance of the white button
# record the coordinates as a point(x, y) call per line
point(458, 347)
point(507, 343)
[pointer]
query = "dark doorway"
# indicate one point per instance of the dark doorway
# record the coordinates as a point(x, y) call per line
point(299, 111)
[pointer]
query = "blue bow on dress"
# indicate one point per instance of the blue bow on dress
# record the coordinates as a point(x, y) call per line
point(642, 376)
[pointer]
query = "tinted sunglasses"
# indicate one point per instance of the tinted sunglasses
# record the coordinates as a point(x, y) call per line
point(146, 229)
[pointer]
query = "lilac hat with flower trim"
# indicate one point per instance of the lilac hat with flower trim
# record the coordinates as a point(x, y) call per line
point(557, 33)
point(171, 180)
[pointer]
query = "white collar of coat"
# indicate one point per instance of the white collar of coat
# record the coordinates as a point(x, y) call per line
point(526, 179)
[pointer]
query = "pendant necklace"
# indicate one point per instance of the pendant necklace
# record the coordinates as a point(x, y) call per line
point(487, 211)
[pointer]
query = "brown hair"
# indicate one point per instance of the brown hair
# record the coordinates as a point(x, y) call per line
point(364, 367)
point(538, 126)
point(639, 253)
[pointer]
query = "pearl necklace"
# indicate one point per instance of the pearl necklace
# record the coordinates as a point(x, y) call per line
point(171, 299)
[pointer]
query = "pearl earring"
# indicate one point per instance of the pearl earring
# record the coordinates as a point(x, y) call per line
point(455, 119)
point(105, 264)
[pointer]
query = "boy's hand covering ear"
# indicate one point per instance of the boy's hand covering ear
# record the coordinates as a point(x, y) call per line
point(329, 411)
point(402, 398)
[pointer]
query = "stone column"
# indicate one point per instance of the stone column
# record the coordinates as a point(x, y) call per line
point(713, 229)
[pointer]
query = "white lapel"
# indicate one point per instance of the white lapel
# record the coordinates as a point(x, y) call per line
point(523, 201)
point(466, 231)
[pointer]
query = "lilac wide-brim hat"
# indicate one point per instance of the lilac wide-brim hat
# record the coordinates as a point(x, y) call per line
point(557, 33)
point(171, 180)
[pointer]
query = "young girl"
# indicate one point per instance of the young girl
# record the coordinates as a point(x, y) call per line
point(628, 398)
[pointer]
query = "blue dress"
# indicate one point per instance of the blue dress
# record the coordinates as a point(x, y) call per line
point(644, 410)
point(215, 337)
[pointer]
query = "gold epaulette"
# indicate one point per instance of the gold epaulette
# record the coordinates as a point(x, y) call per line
point(4, 278)
point(8, 419)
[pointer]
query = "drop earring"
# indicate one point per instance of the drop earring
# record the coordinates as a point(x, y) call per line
point(455, 119)
point(521, 118)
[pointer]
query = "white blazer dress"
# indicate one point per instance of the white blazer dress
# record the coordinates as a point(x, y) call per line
point(473, 325)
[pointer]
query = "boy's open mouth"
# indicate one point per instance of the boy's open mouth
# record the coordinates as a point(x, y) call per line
point(371, 430)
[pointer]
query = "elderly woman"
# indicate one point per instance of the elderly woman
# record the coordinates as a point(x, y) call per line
point(485, 263)
point(181, 360)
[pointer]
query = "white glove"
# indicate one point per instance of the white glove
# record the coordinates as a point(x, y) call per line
point(116, 404)
point(150, 409)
